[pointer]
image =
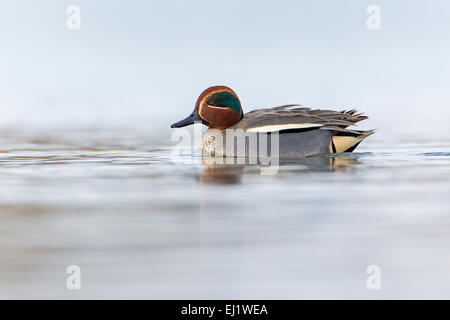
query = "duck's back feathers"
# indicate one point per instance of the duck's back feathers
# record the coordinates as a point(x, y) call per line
point(291, 117)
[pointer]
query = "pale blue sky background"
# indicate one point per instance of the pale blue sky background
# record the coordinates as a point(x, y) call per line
point(143, 63)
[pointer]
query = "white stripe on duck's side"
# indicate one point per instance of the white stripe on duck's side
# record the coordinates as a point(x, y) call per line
point(287, 126)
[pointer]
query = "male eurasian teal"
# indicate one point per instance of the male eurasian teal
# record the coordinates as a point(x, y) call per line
point(302, 131)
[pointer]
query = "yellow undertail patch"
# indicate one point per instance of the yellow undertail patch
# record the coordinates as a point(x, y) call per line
point(343, 143)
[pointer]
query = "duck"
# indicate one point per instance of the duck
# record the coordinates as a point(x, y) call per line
point(300, 131)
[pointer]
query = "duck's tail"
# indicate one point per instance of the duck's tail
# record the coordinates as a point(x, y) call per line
point(347, 140)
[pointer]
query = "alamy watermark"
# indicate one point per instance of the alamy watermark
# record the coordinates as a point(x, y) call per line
point(73, 281)
point(374, 19)
point(73, 21)
point(230, 146)
point(373, 281)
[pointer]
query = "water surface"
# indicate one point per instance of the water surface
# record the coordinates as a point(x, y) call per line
point(143, 226)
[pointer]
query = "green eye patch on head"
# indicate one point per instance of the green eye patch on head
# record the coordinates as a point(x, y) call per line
point(225, 99)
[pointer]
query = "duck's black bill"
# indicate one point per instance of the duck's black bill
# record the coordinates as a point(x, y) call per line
point(191, 119)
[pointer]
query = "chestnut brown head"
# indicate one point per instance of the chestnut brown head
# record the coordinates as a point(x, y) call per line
point(217, 107)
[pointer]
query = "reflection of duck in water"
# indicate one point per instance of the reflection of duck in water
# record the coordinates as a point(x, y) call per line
point(221, 174)
point(302, 131)
point(232, 174)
